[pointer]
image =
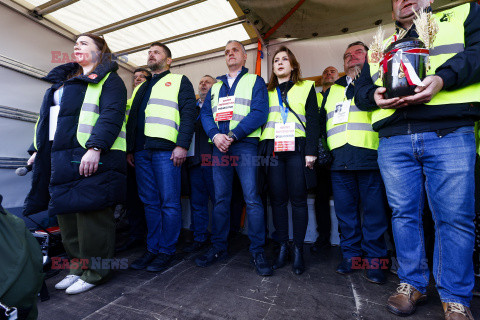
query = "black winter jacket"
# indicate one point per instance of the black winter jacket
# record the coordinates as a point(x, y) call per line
point(57, 184)
point(202, 146)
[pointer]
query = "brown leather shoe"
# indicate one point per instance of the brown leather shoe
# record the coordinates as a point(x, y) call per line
point(456, 311)
point(403, 302)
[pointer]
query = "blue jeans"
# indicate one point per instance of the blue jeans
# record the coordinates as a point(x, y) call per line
point(239, 158)
point(201, 187)
point(442, 169)
point(353, 190)
point(159, 189)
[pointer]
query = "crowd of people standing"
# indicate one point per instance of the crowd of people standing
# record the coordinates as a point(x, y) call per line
point(406, 150)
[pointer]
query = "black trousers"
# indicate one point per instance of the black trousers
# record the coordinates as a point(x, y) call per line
point(134, 206)
point(286, 181)
point(322, 206)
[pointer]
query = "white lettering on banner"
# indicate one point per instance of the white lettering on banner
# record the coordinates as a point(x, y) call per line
point(225, 109)
point(342, 109)
point(284, 137)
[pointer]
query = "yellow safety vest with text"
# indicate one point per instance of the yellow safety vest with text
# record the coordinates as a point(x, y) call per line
point(357, 131)
point(243, 100)
point(297, 98)
point(449, 41)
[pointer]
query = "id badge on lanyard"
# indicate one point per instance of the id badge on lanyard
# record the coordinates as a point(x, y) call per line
point(225, 108)
point(342, 110)
point(284, 132)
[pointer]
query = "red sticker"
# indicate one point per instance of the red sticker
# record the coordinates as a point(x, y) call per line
point(93, 76)
point(168, 84)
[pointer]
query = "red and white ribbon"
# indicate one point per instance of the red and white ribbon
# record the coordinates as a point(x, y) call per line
point(400, 59)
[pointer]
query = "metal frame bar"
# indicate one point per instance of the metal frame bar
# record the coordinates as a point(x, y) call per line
point(52, 26)
point(18, 114)
point(250, 28)
point(187, 35)
point(22, 67)
point(12, 163)
point(154, 13)
point(51, 6)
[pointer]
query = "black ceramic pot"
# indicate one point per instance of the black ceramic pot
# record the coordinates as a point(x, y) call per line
point(397, 84)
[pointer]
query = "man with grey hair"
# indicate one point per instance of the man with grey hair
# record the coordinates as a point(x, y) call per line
point(200, 176)
point(233, 113)
point(356, 181)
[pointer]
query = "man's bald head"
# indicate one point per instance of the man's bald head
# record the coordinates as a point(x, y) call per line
point(329, 76)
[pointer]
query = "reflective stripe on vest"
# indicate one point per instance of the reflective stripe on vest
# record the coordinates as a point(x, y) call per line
point(162, 116)
point(89, 115)
point(357, 131)
point(297, 98)
point(243, 100)
point(35, 134)
point(450, 40)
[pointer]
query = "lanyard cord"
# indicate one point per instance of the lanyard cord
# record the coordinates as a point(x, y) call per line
point(283, 109)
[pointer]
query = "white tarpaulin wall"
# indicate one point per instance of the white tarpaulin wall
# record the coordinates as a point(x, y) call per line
point(93, 15)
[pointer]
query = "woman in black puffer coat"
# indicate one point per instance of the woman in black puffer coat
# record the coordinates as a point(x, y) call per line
point(81, 176)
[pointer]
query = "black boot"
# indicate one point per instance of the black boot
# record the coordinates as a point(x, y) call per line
point(282, 257)
point(298, 264)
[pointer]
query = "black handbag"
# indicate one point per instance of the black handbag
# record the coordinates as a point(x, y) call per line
point(325, 157)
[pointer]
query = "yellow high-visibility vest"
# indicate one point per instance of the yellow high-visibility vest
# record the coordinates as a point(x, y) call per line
point(90, 113)
point(162, 116)
point(243, 100)
point(297, 98)
point(357, 131)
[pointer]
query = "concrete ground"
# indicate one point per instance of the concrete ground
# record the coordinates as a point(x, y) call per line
point(232, 290)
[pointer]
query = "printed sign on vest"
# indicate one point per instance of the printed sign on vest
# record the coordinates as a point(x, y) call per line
point(225, 109)
point(284, 136)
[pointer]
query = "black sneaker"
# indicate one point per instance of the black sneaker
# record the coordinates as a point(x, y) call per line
point(161, 262)
point(143, 261)
point(194, 247)
point(261, 265)
point(210, 257)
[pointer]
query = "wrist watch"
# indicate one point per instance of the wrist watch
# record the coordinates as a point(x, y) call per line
point(231, 135)
point(96, 149)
